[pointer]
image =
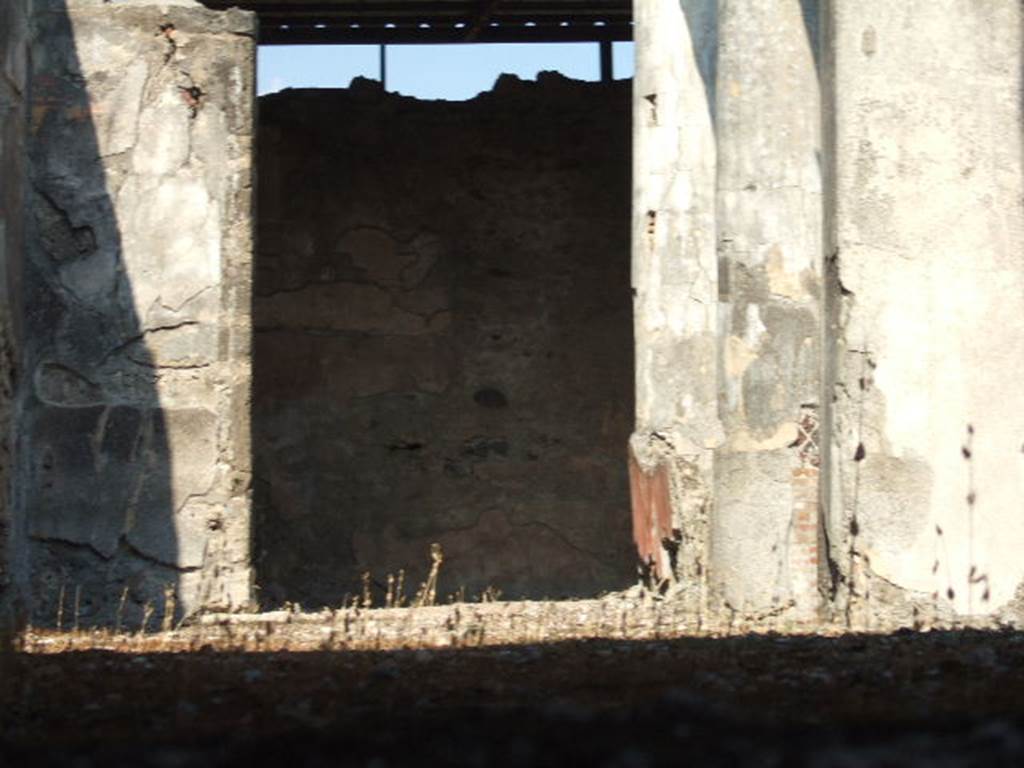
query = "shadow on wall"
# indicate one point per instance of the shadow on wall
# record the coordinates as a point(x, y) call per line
point(443, 341)
point(702, 23)
point(811, 12)
point(93, 486)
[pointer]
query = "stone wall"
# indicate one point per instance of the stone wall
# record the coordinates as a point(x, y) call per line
point(443, 341)
point(14, 43)
point(133, 475)
point(727, 235)
point(769, 229)
point(675, 279)
point(926, 297)
point(829, 418)
point(826, 236)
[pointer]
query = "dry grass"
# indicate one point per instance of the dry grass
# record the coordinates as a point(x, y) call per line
point(635, 616)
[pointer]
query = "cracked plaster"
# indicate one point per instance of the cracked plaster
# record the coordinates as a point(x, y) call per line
point(139, 160)
point(867, 277)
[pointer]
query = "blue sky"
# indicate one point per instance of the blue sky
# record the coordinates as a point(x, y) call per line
point(453, 72)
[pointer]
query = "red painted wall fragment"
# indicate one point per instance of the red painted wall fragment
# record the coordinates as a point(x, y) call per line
point(652, 514)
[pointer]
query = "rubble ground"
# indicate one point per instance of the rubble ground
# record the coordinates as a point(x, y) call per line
point(296, 689)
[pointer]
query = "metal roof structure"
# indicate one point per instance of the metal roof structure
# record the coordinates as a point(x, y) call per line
point(386, 22)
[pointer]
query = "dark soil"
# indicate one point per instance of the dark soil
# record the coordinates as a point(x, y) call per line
point(943, 698)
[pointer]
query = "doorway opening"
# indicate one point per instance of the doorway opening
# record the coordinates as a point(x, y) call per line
point(443, 345)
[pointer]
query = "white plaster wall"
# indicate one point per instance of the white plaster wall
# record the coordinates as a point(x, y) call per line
point(674, 263)
point(929, 233)
point(675, 280)
point(769, 219)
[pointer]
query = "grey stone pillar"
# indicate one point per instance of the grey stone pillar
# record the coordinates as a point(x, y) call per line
point(675, 285)
point(926, 291)
point(133, 476)
point(764, 533)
